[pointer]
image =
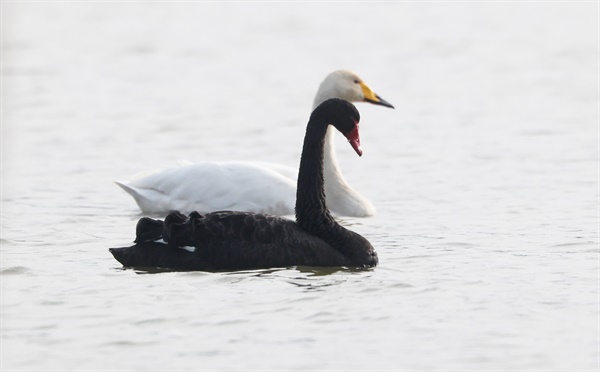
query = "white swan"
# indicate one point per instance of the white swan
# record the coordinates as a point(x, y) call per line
point(258, 187)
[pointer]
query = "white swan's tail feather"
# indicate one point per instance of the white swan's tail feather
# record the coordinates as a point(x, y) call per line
point(145, 203)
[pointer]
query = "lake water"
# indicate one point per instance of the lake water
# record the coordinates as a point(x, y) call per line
point(485, 178)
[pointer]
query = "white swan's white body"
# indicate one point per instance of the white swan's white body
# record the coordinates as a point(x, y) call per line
point(253, 187)
point(259, 187)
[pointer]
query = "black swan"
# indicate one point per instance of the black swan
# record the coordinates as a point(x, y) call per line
point(223, 241)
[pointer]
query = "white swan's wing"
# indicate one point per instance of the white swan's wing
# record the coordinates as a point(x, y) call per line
point(287, 172)
point(213, 186)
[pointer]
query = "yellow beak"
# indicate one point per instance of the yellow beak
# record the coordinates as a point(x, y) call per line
point(370, 96)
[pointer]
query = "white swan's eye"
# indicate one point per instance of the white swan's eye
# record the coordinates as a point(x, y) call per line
point(356, 81)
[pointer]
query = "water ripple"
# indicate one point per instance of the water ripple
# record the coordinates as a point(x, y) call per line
point(15, 270)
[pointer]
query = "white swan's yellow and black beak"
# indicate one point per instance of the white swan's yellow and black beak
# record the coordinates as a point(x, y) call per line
point(371, 97)
point(354, 139)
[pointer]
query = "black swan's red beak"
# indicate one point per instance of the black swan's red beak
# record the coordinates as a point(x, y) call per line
point(354, 139)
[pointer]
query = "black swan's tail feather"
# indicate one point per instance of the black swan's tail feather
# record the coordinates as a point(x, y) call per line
point(157, 242)
point(146, 255)
point(126, 256)
point(178, 229)
point(148, 230)
point(175, 230)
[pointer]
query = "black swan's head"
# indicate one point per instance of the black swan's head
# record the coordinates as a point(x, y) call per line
point(343, 116)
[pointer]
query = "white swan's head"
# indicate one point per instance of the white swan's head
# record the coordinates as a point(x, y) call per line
point(346, 85)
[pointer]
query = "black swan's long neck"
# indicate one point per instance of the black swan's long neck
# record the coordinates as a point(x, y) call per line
point(311, 211)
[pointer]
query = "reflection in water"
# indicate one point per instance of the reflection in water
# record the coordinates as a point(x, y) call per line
point(14, 270)
point(310, 271)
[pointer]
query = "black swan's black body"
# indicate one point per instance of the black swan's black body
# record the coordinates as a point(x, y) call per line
point(239, 240)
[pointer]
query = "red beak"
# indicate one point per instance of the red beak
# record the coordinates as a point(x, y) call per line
point(354, 140)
